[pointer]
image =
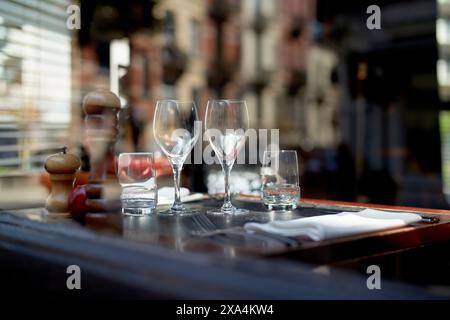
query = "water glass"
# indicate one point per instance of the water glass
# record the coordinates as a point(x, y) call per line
point(136, 174)
point(280, 180)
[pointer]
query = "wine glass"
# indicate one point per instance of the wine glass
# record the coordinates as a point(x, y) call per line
point(176, 129)
point(226, 122)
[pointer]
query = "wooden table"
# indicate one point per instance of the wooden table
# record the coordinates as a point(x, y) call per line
point(140, 256)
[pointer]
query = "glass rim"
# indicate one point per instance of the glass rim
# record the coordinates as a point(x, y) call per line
point(148, 155)
point(281, 151)
point(269, 154)
point(187, 103)
point(228, 100)
point(175, 101)
point(137, 153)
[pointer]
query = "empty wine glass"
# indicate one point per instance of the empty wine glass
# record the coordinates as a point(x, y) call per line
point(176, 129)
point(226, 122)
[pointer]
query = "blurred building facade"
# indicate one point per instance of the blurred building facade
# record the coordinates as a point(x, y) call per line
point(197, 50)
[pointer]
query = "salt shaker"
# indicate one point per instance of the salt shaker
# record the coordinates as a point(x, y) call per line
point(62, 168)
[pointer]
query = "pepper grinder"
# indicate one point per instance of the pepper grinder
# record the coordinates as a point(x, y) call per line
point(61, 168)
point(101, 109)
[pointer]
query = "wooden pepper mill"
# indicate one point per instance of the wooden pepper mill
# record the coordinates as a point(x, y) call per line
point(61, 168)
point(101, 109)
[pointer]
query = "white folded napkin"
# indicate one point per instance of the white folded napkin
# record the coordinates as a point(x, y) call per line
point(166, 195)
point(336, 225)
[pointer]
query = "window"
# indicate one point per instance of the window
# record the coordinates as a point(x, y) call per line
point(35, 82)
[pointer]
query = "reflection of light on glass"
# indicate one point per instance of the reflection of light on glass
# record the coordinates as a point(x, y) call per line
point(443, 77)
point(444, 126)
point(442, 31)
point(443, 72)
point(119, 61)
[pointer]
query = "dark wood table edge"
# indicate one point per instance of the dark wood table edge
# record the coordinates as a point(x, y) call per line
point(367, 244)
point(125, 269)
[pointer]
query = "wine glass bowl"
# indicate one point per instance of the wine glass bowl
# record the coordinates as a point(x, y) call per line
point(176, 130)
point(226, 122)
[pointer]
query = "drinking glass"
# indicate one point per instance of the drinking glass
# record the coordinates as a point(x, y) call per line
point(176, 129)
point(136, 174)
point(226, 122)
point(280, 182)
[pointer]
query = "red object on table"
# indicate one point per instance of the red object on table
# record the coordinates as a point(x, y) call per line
point(163, 167)
point(77, 202)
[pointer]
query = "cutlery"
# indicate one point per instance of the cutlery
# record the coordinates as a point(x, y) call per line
point(208, 229)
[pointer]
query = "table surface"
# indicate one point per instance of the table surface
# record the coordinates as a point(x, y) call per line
point(391, 249)
point(180, 233)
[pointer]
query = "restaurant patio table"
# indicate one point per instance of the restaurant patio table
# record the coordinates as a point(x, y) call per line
point(116, 250)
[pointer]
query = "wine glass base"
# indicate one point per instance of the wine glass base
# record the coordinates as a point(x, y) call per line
point(183, 212)
point(232, 212)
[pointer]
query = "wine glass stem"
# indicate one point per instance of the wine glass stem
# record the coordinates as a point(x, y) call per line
point(227, 199)
point(176, 168)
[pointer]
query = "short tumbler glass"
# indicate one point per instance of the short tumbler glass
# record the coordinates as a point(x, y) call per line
point(136, 174)
point(280, 180)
